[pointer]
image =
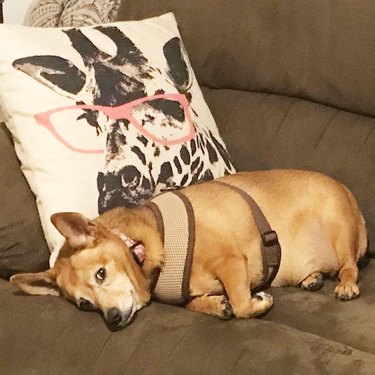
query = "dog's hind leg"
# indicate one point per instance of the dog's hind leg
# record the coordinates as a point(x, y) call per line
point(313, 282)
point(349, 245)
point(233, 273)
point(218, 306)
point(349, 239)
point(347, 288)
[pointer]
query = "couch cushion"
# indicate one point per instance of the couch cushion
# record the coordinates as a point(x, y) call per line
point(265, 131)
point(49, 335)
point(320, 50)
point(22, 245)
point(111, 115)
point(350, 323)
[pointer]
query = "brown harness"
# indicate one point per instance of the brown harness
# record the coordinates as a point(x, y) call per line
point(175, 218)
point(270, 246)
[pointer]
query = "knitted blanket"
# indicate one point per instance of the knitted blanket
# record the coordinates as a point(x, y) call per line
point(75, 13)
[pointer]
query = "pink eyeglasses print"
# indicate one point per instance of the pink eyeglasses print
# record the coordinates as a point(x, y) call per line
point(152, 123)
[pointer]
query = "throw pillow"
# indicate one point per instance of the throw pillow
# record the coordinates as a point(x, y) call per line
point(106, 115)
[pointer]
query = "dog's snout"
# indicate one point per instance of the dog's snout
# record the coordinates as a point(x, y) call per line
point(114, 317)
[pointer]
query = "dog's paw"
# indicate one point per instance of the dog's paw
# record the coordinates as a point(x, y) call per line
point(216, 305)
point(256, 306)
point(262, 296)
point(227, 311)
point(313, 282)
point(264, 302)
point(346, 291)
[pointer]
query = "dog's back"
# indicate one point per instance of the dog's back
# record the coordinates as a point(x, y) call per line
point(316, 217)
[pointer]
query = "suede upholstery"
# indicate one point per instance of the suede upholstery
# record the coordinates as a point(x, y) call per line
point(22, 245)
point(290, 84)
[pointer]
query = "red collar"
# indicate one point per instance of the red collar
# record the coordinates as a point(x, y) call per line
point(136, 248)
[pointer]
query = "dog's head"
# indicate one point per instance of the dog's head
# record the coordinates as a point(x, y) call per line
point(96, 271)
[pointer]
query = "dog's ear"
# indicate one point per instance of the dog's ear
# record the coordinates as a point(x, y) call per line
point(54, 72)
point(177, 60)
point(79, 231)
point(41, 283)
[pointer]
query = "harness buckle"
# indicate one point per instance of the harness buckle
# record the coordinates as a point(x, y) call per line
point(269, 238)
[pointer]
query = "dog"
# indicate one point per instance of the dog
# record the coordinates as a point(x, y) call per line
point(317, 220)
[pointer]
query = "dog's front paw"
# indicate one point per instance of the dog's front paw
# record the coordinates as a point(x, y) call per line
point(264, 302)
point(227, 312)
point(216, 305)
point(255, 306)
point(346, 291)
point(262, 296)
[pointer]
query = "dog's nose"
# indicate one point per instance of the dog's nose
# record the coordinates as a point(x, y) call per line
point(114, 317)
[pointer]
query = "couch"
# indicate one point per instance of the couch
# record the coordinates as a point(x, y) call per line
point(291, 84)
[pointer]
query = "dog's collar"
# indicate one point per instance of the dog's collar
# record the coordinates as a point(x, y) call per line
point(136, 248)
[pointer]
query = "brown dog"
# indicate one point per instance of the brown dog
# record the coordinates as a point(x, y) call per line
point(317, 219)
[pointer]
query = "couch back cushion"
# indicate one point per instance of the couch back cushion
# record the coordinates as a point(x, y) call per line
point(265, 131)
point(320, 50)
point(22, 245)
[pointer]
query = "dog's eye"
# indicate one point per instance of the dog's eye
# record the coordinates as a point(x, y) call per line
point(85, 305)
point(100, 275)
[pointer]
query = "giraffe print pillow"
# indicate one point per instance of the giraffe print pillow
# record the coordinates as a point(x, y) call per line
point(105, 116)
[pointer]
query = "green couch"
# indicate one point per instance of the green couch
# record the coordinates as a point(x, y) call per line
point(291, 83)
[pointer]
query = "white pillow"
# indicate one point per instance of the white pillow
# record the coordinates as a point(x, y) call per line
point(106, 115)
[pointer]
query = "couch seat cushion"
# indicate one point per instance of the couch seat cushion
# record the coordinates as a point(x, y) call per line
point(49, 335)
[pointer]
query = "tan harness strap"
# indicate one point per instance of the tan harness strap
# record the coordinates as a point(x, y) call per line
point(175, 217)
point(270, 246)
